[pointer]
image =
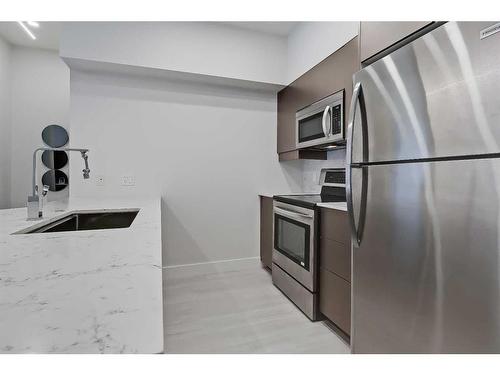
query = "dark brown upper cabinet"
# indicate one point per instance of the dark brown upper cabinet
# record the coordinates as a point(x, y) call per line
point(376, 37)
point(331, 75)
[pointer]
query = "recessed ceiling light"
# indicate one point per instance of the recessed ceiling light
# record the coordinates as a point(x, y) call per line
point(33, 23)
point(28, 31)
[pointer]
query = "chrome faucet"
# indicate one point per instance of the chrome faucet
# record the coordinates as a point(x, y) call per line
point(35, 202)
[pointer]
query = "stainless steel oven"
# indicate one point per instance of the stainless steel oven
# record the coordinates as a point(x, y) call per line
point(295, 236)
point(321, 123)
point(294, 255)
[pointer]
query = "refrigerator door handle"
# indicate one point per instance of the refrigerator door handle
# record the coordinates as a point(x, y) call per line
point(357, 98)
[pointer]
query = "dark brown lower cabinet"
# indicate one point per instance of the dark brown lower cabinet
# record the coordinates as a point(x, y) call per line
point(335, 257)
point(266, 231)
point(335, 299)
point(335, 268)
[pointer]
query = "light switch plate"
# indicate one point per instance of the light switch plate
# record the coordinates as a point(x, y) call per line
point(128, 180)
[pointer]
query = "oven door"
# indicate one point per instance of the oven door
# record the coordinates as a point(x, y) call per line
point(294, 243)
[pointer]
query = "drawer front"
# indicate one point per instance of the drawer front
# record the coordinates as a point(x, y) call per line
point(335, 300)
point(335, 257)
point(335, 225)
point(300, 296)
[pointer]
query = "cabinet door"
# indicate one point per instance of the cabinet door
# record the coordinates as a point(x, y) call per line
point(266, 231)
point(287, 104)
point(377, 36)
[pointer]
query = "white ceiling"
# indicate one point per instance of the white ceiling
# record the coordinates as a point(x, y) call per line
point(48, 33)
point(276, 28)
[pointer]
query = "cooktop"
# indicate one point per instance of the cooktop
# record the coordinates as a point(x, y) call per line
point(310, 200)
point(332, 182)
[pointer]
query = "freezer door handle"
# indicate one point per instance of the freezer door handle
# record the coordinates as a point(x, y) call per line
point(352, 111)
point(357, 99)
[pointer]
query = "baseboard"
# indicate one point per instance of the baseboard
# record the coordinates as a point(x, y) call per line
point(211, 262)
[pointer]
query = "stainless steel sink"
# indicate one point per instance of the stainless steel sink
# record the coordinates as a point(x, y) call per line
point(86, 220)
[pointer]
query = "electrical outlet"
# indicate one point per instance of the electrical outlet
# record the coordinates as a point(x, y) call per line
point(99, 180)
point(128, 180)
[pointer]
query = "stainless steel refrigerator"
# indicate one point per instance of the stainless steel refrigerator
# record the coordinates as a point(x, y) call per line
point(423, 192)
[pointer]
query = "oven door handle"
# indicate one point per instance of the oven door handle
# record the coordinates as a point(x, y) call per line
point(323, 121)
point(292, 214)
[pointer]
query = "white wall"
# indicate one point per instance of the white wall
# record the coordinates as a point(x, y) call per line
point(209, 48)
point(40, 97)
point(206, 150)
point(311, 42)
point(194, 47)
point(5, 111)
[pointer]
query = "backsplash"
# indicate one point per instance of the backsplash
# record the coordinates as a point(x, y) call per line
point(312, 168)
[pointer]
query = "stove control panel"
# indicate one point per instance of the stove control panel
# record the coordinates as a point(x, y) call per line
point(332, 177)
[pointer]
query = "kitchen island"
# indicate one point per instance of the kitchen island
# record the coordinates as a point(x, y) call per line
point(97, 291)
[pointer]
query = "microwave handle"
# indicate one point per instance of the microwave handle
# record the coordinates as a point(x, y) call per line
point(323, 121)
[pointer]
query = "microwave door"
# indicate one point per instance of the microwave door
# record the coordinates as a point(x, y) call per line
point(314, 129)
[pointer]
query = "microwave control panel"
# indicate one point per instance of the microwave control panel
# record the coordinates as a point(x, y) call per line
point(337, 119)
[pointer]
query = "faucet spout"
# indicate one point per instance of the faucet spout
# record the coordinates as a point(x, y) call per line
point(34, 199)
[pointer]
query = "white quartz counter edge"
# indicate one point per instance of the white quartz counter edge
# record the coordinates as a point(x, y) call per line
point(341, 206)
point(96, 291)
point(270, 195)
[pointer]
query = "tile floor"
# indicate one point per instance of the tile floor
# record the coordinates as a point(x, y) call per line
point(233, 307)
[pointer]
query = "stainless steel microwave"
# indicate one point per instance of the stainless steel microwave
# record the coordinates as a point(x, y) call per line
point(322, 122)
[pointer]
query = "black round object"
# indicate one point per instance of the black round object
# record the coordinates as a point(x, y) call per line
point(54, 159)
point(55, 179)
point(55, 136)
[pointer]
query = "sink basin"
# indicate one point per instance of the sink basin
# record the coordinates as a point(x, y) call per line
point(86, 220)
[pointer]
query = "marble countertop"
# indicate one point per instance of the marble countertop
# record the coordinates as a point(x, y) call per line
point(97, 291)
point(342, 206)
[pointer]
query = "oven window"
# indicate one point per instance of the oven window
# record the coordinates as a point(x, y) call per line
point(311, 128)
point(292, 239)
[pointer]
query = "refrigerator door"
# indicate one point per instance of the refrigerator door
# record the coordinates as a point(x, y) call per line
point(426, 274)
point(435, 97)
